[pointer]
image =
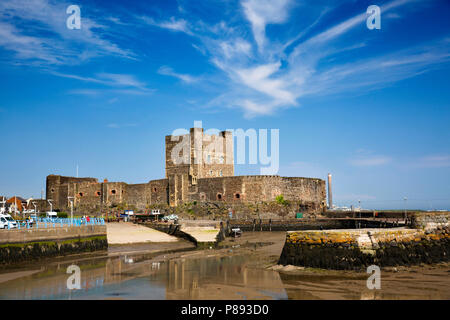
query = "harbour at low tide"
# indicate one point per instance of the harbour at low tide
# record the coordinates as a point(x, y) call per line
point(239, 270)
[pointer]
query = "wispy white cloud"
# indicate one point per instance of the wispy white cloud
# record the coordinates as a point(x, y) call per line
point(347, 25)
point(259, 78)
point(235, 48)
point(263, 12)
point(108, 92)
point(363, 157)
point(370, 161)
point(353, 197)
point(276, 76)
point(121, 125)
point(392, 15)
point(35, 32)
point(125, 82)
point(168, 71)
point(433, 161)
point(176, 25)
point(172, 24)
point(257, 73)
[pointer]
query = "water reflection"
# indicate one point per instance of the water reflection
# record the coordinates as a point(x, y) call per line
point(229, 277)
point(221, 278)
point(143, 277)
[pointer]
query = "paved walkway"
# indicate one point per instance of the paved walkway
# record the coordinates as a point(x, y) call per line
point(126, 232)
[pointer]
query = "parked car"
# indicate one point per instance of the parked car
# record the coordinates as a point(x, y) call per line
point(5, 220)
point(52, 214)
point(170, 217)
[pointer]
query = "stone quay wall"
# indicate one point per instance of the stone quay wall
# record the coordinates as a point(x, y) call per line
point(287, 225)
point(356, 249)
point(431, 220)
point(33, 244)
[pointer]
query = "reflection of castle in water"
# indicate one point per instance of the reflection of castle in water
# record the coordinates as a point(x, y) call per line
point(213, 278)
point(203, 278)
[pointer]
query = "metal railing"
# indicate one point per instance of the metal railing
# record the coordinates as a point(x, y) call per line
point(54, 223)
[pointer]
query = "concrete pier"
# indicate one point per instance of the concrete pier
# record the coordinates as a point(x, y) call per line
point(201, 232)
point(204, 232)
point(31, 244)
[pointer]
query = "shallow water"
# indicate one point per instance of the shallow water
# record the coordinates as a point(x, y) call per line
point(153, 276)
point(146, 277)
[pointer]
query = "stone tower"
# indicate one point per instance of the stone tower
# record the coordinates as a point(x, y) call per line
point(194, 156)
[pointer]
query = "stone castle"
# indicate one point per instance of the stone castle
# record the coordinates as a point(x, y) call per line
point(189, 179)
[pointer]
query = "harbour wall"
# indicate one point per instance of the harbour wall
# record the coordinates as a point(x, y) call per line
point(310, 224)
point(33, 244)
point(354, 249)
point(203, 234)
point(431, 220)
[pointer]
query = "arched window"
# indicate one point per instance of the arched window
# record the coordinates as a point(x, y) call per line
point(98, 193)
point(113, 191)
point(237, 196)
point(81, 194)
point(219, 196)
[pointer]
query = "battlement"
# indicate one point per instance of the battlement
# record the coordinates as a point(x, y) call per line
point(199, 155)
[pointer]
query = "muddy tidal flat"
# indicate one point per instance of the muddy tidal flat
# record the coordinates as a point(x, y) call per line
point(242, 268)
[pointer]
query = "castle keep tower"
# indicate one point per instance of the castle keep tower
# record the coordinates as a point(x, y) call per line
point(195, 156)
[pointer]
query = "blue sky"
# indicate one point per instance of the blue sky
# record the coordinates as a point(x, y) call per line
point(369, 106)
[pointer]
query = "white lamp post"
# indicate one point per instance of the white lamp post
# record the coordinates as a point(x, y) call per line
point(359, 204)
point(4, 204)
point(51, 204)
point(71, 207)
point(405, 198)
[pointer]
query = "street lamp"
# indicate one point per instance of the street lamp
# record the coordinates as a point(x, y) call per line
point(359, 205)
point(35, 208)
point(71, 207)
point(405, 198)
point(51, 204)
point(4, 203)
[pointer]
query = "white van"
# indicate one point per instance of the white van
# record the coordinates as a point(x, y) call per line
point(5, 219)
